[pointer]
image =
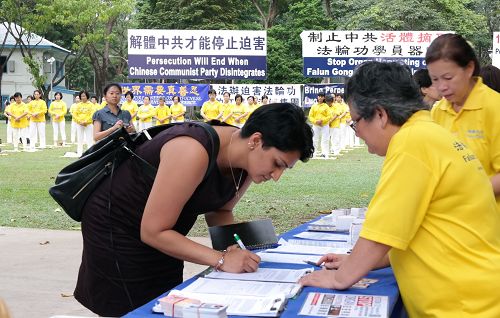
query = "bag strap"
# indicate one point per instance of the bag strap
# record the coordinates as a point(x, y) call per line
point(151, 171)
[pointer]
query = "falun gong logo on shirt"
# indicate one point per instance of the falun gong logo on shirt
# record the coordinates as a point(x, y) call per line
point(475, 134)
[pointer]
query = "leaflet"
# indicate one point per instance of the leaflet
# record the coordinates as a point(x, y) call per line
point(345, 306)
point(240, 305)
point(281, 275)
point(313, 250)
point(317, 243)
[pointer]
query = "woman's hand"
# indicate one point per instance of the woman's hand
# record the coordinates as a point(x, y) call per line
point(332, 261)
point(323, 278)
point(118, 124)
point(240, 261)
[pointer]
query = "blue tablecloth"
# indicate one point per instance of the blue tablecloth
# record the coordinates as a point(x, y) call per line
point(385, 286)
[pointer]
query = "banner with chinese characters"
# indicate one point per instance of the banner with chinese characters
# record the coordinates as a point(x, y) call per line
point(337, 53)
point(311, 92)
point(277, 93)
point(197, 54)
point(495, 55)
point(190, 94)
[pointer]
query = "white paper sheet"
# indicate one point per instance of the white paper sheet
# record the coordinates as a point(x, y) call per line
point(312, 250)
point(281, 275)
point(287, 258)
point(318, 243)
point(242, 288)
point(322, 236)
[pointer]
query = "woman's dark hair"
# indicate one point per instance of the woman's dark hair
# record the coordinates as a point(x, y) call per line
point(17, 94)
point(212, 91)
point(264, 97)
point(107, 87)
point(384, 85)
point(238, 96)
point(178, 98)
point(452, 47)
point(129, 93)
point(253, 98)
point(58, 93)
point(491, 77)
point(282, 126)
point(422, 78)
point(228, 94)
point(37, 91)
point(84, 92)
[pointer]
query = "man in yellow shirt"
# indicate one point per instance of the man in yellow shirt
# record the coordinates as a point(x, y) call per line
point(18, 112)
point(211, 109)
point(163, 113)
point(319, 116)
point(57, 111)
point(433, 216)
point(37, 109)
point(334, 124)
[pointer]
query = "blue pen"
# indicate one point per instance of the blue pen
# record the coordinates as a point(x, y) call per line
point(238, 240)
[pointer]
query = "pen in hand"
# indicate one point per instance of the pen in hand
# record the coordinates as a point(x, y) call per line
point(238, 240)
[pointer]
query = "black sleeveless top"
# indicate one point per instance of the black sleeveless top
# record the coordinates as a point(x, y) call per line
point(118, 271)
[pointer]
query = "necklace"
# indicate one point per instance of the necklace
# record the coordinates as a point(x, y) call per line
point(236, 185)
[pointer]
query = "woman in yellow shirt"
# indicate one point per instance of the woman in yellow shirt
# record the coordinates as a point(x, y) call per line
point(37, 109)
point(57, 110)
point(131, 106)
point(226, 107)
point(211, 109)
point(18, 119)
point(469, 109)
point(433, 217)
point(163, 113)
point(177, 110)
point(146, 113)
point(239, 112)
point(82, 115)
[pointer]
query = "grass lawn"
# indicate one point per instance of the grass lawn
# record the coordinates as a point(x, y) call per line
point(299, 196)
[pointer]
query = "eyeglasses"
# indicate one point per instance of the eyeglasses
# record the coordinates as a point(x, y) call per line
point(354, 123)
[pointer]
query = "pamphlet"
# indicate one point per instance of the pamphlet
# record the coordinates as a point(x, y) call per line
point(345, 306)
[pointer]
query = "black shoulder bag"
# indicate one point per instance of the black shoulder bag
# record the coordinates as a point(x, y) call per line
point(76, 182)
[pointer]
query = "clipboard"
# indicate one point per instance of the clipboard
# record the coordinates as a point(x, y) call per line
point(259, 234)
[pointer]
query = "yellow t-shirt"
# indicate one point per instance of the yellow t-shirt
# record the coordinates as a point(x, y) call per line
point(146, 113)
point(345, 109)
point(477, 124)
point(58, 107)
point(211, 109)
point(177, 109)
point(17, 110)
point(226, 112)
point(162, 112)
point(434, 206)
point(131, 107)
point(237, 111)
point(252, 108)
point(37, 107)
point(83, 112)
point(319, 112)
point(98, 106)
point(335, 110)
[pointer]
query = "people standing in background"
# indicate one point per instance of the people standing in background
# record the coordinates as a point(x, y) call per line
point(491, 77)
point(18, 114)
point(226, 107)
point(319, 116)
point(339, 100)
point(73, 121)
point(251, 105)
point(82, 114)
point(7, 119)
point(57, 111)
point(264, 100)
point(469, 109)
point(211, 109)
point(37, 109)
point(163, 113)
point(177, 110)
point(334, 124)
point(111, 117)
point(97, 106)
point(131, 106)
point(238, 114)
point(428, 91)
point(103, 102)
point(146, 113)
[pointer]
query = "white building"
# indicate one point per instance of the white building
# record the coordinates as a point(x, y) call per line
point(16, 77)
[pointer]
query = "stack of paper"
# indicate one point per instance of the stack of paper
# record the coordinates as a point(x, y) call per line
point(173, 306)
point(205, 310)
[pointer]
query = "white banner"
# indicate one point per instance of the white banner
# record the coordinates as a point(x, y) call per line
point(495, 55)
point(277, 93)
